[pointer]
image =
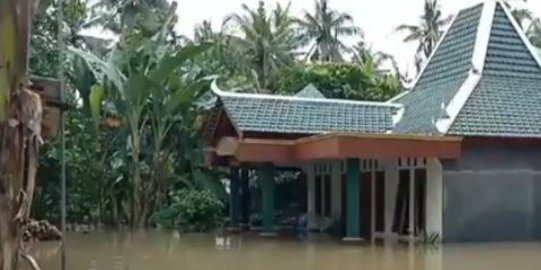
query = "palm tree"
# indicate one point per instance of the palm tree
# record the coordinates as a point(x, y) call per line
point(533, 32)
point(366, 56)
point(429, 30)
point(324, 28)
point(528, 22)
point(120, 15)
point(263, 41)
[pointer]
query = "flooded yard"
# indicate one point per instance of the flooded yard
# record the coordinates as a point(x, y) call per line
point(163, 250)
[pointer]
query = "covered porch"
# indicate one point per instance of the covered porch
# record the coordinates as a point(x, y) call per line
point(360, 186)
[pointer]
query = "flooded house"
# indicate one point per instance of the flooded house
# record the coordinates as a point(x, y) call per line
point(457, 156)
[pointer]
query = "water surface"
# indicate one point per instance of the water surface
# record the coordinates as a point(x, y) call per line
point(165, 250)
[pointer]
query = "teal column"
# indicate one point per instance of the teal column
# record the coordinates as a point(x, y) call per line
point(234, 200)
point(353, 228)
point(245, 198)
point(267, 185)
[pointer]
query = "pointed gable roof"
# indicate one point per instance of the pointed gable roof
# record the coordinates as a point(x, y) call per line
point(445, 71)
point(484, 79)
point(310, 91)
point(507, 100)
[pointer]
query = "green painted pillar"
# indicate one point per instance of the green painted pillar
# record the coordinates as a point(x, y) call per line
point(266, 174)
point(245, 198)
point(353, 225)
point(234, 200)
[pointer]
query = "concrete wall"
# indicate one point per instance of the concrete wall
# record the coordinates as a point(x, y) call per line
point(434, 202)
point(493, 193)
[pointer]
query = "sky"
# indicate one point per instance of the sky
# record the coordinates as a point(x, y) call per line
point(377, 18)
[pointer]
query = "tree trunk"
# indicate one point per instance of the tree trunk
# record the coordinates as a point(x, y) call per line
point(159, 167)
point(114, 210)
point(136, 181)
point(20, 137)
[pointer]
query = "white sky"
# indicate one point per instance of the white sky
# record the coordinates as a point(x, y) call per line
point(377, 18)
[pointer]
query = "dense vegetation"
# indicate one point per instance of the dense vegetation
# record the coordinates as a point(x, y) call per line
point(134, 152)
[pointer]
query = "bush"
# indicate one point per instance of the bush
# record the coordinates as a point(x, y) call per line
point(191, 210)
point(338, 80)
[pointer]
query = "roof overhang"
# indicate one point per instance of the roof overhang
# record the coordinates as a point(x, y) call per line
point(337, 146)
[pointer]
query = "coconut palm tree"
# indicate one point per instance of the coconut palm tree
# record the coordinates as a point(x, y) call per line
point(263, 40)
point(323, 30)
point(428, 31)
point(527, 20)
point(119, 15)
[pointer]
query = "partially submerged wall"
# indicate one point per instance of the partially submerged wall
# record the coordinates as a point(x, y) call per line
point(493, 193)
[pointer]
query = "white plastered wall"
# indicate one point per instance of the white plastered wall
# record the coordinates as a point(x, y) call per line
point(434, 197)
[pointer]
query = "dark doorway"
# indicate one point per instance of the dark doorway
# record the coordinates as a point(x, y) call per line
point(344, 203)
point(327, 195)
point(365, 206)
point(317, 195)
point(379, 200)
point(420, 201)
point(401, 211)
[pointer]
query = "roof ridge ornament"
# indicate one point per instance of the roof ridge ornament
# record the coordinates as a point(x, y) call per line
point(216, 90)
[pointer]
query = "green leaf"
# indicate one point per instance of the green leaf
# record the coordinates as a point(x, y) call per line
point(183, 96)
point(169, 63)
point(138, 89)
point(95, 99)
point(102, 69)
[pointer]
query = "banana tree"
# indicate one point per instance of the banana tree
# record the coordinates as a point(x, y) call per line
point(20, 131)
point(142, 78)
point(171, 104)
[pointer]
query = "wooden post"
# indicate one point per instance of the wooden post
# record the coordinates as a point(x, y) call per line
point(234, 194)
point(245, 198)
point(266, 174)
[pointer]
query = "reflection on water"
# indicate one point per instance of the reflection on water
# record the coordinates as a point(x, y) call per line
point(160, 250)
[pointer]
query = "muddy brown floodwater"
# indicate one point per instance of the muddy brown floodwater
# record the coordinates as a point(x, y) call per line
point(163, 250)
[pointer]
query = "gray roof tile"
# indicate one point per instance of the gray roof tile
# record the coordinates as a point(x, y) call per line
point(506, 101)
point(310, 91)
point(306, 116)
point(443, 75)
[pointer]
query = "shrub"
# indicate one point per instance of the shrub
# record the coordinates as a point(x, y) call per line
point(191, 210)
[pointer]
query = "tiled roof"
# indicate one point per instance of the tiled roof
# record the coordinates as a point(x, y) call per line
point(501, 107)
point(310, 91)
point(444, 74)
point(294, 115)
point(507, 100)
point(503, 100)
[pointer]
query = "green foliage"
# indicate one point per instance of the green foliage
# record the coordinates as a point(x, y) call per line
point(191, 210)
point(323, 29)
point(266, 42)
point(339, 80)
point(83, 172)
point(44, 50)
